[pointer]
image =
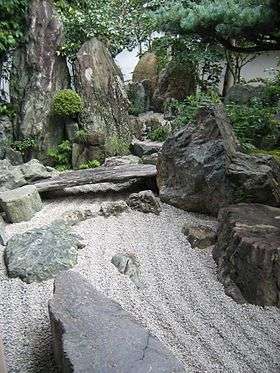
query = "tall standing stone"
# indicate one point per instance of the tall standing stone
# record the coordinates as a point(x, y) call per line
point(100, 85)
point(38, 73)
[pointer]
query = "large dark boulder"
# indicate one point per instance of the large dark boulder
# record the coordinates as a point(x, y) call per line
point(91, 333)
point(147, 70)
point(177, 81)
point(201, 169)
point(38, 73)
point(247, 253)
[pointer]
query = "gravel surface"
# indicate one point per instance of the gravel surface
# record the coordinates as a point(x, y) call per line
point(180, 299)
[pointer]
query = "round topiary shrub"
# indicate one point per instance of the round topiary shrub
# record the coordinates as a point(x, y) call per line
point(67, 104)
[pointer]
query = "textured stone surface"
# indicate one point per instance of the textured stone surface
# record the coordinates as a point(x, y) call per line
point(200, 236)
point(20, 204)
point(201, 169)
point(122, 161)
point(10, 176)
point(144, 201)
point(100, 85)
point(34, 170)
point(150, 159)
point(109, 339)
point(41, 253)
point(74, 217)
point(139, 96)
point(177, 81)
point(38, 73)
point(248, 253)
point(140, 148)
point(127, 264)
point(113, 208)
point(147, 70)
point(3, 237)
point(243, 94)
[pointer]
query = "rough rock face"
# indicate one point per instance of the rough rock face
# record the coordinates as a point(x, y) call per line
point(248, 253)
point(141, 148)
point(34, 170)
point(3, 238)
point(200, 168)
point(176, 81)
point(38, 73)
point(10, 177)
point(41, 253)
point(122, 161)
point(200, 235)
point(144, 201)
point(139, 96)
point(20, 204)
point(100, 85)
point(109, 339)
point(113, 208)
point(243, 93)
point(127, 264)
point(147, 70)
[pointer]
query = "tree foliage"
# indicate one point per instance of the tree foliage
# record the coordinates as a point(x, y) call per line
point(239, 25)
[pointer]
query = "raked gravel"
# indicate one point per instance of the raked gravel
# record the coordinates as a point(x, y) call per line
point(180, 301)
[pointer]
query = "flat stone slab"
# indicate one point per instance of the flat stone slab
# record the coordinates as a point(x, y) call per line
point(41, 253)
point(93, 334)
point(141, 148)
point(20, 204)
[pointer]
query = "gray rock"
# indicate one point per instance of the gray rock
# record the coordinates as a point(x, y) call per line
point(150, 159)
point(200, 235)
point(41, 253)
point(201, 169)
point(147, 71)
point(144, 201)
point(113, 208)
point(3, 237)
point(139, 96)
point(13, 156)
point(100, 85)
point(20, 204)
point(141, 148)
point(38, 72)
point(127, 264)
point(34, 170)
point(243, 94)
point(82, 316)
point(152, 121)
point(74, 217)
point(10, 176)
point(71, 128)
point(121, 161)
point(247, 253)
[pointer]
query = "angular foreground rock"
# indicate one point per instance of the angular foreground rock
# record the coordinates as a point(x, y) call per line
point(141, 148)
point(34, 170)
point(144, 201)
point(41, 253)
point(20, 204)
point(91, 333)
point(200, 168)
point(248, 253)
point(10, 176)
point(200, 235)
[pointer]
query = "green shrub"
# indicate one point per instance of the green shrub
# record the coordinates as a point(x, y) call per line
point(90, 164)
point(116, 146)
point(25, 146)
point(67, 104)
point(159, 134)
point(61, 156)
point(7, 110)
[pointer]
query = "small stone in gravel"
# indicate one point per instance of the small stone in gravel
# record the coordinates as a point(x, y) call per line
point(144, 201)
point(200, 236)
point(41, 253)
point(73, 217)
point(127, 264)
point(20, 204)
point(113, 208)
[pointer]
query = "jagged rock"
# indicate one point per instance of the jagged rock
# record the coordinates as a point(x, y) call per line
point(74, 217)
point(200, 235)
point(20, 204)
point(144, 201)
point(147, 70)
point(3, 238)
point(122, 161)
point(139, 96)
point(150, 159)
point(41, 253)
point(127, 264)
point(81, 316)
point(38, 72)
point(10, 176)
point(247, 253)
point(201, 169)
point(141, 148)
point(99, 84)
point(177, 81)
point(34, 170)
point(113, 208)
point(13, 156)
point(243, 94)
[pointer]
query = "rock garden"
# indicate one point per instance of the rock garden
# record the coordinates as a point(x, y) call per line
point(140, 218)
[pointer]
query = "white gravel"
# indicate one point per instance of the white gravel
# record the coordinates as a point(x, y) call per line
point(181, 300)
